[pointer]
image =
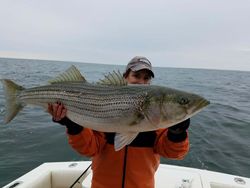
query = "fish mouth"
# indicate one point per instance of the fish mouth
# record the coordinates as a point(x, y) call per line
point(203, 103)
point(199, 106)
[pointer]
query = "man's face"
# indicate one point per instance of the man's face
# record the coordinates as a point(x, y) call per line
point(139, 77)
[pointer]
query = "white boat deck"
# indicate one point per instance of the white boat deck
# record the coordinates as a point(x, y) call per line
point(64, 174)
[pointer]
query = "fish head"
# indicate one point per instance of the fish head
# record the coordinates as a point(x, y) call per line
point(174, 106)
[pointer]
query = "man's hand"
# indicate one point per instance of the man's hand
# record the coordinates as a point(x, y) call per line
point(180, 127)
point(178, 132)
point(57, 110)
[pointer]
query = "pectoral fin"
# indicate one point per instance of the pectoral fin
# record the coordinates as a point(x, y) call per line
point(123, 139)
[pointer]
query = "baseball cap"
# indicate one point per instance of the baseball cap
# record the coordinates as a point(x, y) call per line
point(138, 63)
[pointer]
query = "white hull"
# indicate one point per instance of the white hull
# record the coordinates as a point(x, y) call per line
point(64, 174)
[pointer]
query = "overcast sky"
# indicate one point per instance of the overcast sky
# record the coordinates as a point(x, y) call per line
point(179, 33)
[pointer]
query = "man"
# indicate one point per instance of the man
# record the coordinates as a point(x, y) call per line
point(135, 164)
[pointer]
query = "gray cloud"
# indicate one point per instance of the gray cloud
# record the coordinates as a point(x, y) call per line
point(188, 33)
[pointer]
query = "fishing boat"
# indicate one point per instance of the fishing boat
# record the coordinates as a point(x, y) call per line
point(78, 175)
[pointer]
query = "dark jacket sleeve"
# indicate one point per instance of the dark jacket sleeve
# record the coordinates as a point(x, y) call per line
point(173, 142)
point(72, 127)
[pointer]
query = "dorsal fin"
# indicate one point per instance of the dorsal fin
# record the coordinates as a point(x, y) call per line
point(114, 79)
point(70, 75)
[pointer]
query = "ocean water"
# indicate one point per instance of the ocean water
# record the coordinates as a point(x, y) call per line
point(219, 135)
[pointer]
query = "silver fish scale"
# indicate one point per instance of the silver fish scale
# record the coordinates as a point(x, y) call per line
point(93, 101)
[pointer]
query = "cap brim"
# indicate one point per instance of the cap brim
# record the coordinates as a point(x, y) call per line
point(141, 67)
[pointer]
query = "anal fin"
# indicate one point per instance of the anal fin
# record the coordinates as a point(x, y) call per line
point(123, 139)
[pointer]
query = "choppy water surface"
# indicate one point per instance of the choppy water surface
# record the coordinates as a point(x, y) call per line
point(219, 135)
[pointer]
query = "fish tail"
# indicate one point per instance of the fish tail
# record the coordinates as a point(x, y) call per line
point(13, 106)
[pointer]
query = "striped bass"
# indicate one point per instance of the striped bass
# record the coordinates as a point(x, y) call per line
point(109, 105)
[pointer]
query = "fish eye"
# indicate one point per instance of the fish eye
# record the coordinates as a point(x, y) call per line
point(183, 101)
